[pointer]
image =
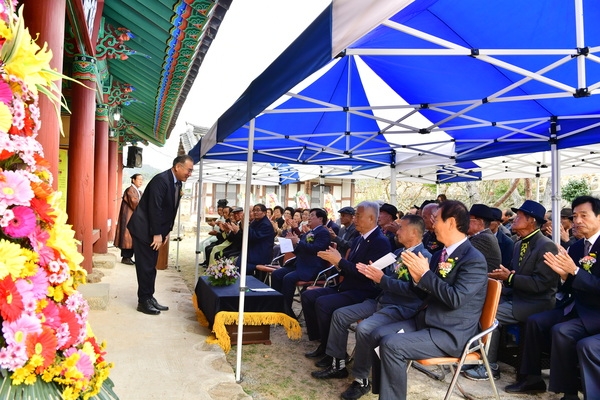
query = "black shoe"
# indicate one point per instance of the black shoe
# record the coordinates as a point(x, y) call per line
point(147, 307)
point(524, 387)
point(158, 306)
point(324, 362)
point(318, 352)
point(356, 391)
point(330, 373)
point(570, 397)
point(127, 260)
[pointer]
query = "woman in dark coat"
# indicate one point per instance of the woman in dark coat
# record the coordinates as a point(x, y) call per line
point(131, 198)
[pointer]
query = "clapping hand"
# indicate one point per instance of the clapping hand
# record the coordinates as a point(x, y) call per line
point(374, 274)
point(417, 264)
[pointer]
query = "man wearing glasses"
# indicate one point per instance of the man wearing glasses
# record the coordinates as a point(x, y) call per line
point(260, 239)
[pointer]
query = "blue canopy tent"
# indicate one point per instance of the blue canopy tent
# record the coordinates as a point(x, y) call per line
point(471, 79)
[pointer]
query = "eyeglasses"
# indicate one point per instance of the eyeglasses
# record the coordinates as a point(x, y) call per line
point(189, 170)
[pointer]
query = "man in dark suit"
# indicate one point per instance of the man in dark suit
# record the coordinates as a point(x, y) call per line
point(307, 264)
point(454, 286)
point(151, 223)
point(588, 352)
point(481, 236)
point(399, 300)
point(319, 304)
point(347, 232)
point(561, 328)
point(505, 242)
point(431, 243)
point(260, 240)
point(529, 285)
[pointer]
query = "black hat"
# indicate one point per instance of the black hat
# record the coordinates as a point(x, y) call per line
point(237, 209)
point(390, 209)
point(566, 213)
point(222, 203)
point(496, 213)
point(481, 211)
point(347, 210)
point(534, 209)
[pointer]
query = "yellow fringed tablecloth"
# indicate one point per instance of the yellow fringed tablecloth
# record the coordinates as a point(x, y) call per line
point(219, 332)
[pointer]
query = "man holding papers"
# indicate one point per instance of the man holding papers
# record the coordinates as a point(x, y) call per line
point(319, 304)
point(398, 301)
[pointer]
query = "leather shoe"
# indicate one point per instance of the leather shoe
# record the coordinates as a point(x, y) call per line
point(330, 373)
point(147, 307)
point(127, 260)
point(524, 387)
point(324, 362)
point(158, 306)
point(318, 352)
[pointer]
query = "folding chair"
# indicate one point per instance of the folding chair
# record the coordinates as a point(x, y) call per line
point(286, 257)
point(475, 352)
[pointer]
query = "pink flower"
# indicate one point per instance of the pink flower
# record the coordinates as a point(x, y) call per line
point(22, 224)
point(84, 364)
point(5, 90)
point(15, 189)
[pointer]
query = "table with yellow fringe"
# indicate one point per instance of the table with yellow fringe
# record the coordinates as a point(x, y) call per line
point(217, 308)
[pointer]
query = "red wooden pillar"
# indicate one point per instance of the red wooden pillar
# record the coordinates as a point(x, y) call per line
point(80, 191)
point(101, 194)
point(48, 19)
point(113, 192)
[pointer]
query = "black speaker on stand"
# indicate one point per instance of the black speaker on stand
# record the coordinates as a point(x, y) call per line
point(134, 157)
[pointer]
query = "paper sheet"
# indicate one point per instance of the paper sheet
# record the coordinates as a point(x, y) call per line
point(268, 289)
point(384, 261)
point(286, 245)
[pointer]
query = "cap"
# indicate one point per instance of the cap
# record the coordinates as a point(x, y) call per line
point(347, 210)
point(534, 209)
point(237, 209)
point(390, 209)
point(481, 211)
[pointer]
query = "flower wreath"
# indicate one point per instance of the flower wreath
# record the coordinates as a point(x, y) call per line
point(47, 348)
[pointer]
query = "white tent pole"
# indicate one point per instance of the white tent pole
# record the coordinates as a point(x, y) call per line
point(244, 255)
point(393, 185)
point(178, 237)
point(556, 196)
point(579, 30)
point(198, 216)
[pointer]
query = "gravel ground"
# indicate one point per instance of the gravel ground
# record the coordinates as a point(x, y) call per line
point(280, 370)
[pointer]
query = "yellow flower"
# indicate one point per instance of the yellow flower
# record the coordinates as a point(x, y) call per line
point(12, 259)
point(5, 31)
point(5, 118)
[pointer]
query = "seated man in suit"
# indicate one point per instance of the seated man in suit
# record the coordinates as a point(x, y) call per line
point(398, 301)
point(481, 236)
point(561, 328)
point(588, 352)
point(387, 222)
point(307, 264)
point(454, 285)
point(319, 304)
point(430, 242)
point(347, 232)
point(529, 285)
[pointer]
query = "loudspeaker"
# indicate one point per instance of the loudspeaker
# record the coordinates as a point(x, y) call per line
point(134, 157)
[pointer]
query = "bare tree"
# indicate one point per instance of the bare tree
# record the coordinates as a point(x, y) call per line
point(509, 192)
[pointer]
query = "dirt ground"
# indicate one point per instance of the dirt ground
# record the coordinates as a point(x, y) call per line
point(280, 370)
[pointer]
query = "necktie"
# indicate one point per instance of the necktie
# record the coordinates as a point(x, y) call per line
point(177, 191)
point(444, 255)
point(586, 247)
point(361, 240)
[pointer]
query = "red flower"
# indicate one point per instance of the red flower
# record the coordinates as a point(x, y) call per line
point(43, 344)
point(42, 209)
point(69, 318)
point(11, 302)
point(5, 154)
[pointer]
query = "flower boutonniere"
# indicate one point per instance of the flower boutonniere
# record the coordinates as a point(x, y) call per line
point(444, 268)
point(433, 245)
point(310, 237)
point(400, 270)
point(588, 261)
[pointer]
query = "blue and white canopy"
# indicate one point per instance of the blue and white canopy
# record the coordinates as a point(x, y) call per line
point(421, 83)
